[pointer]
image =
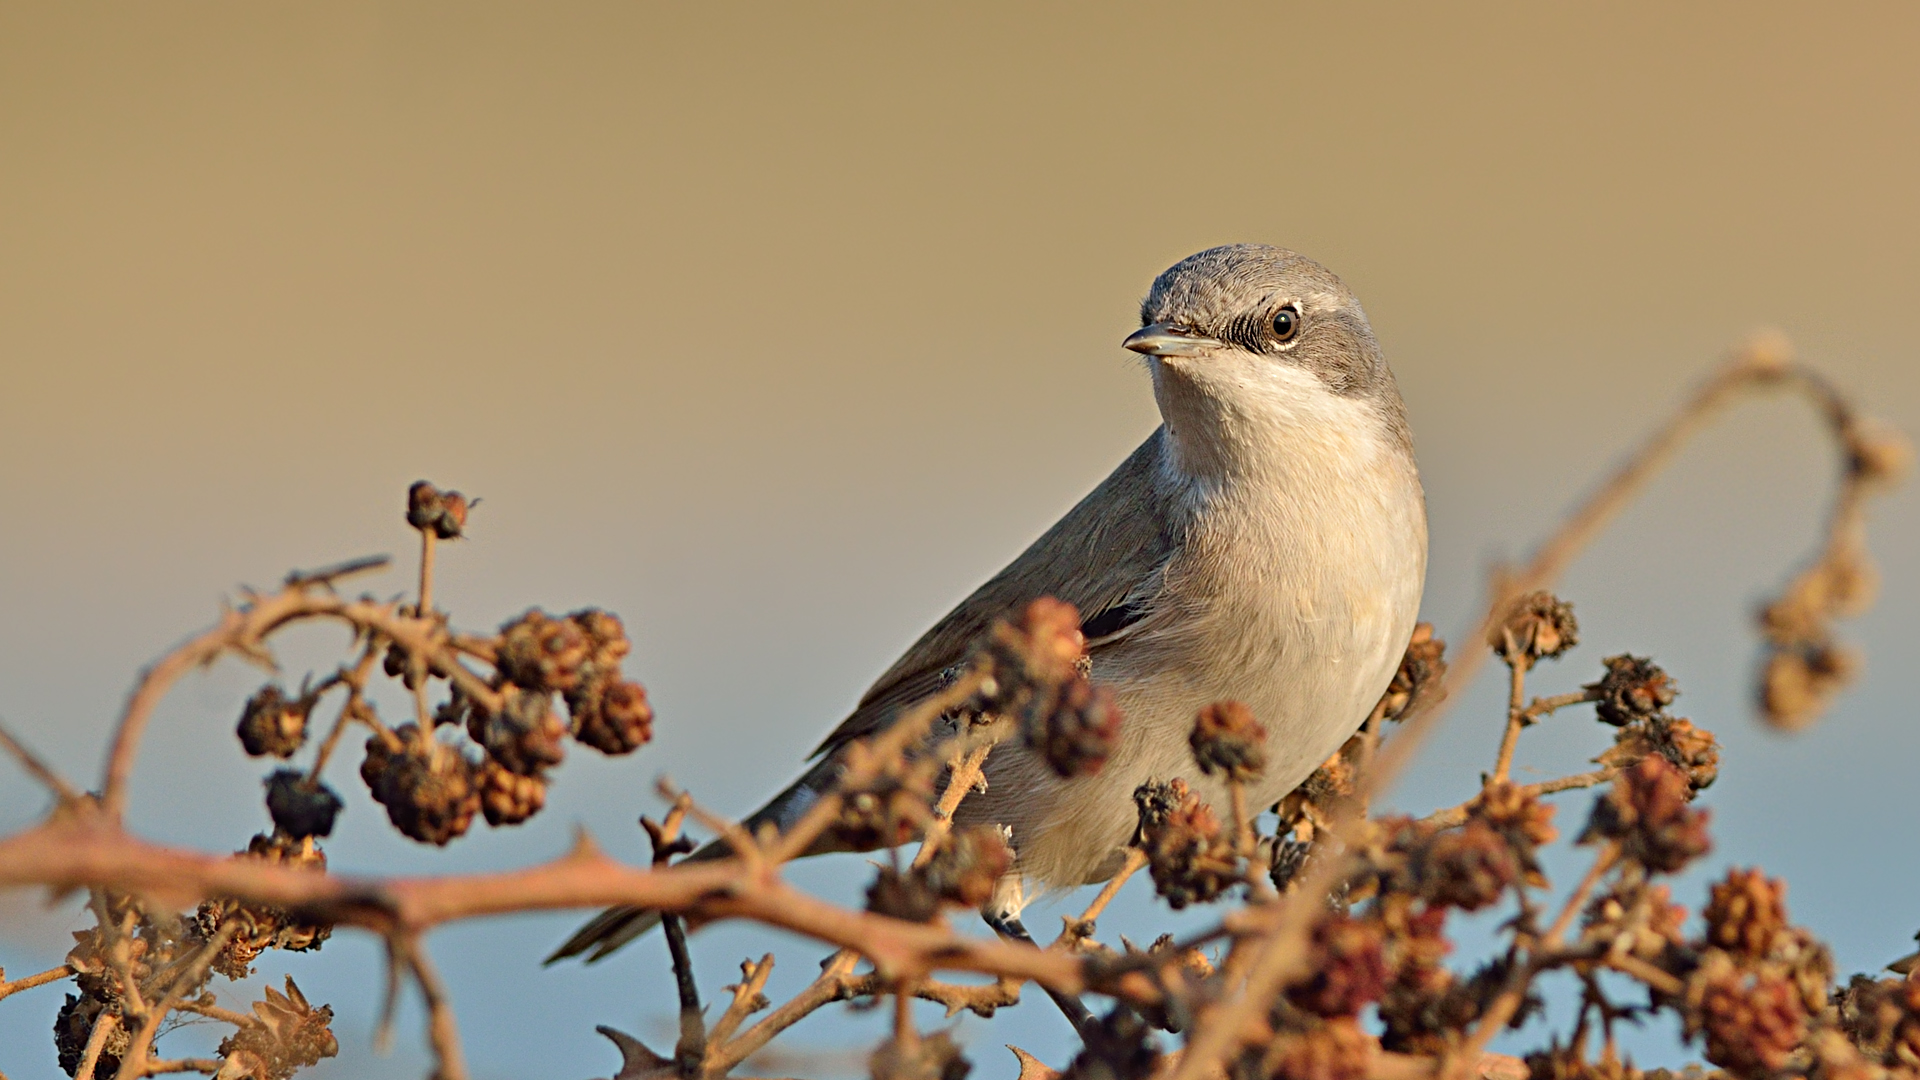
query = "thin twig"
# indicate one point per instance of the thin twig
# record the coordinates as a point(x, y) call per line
point(37, 768)
point(1516, 718)
point(133, 1064)
point(103, 1028)
point(960, 783)
point(8, 989)
point(442, 1031)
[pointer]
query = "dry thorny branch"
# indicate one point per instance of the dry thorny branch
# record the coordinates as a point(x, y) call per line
point(1328, 961)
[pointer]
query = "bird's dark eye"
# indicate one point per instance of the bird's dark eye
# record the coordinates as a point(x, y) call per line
point(1286, 323)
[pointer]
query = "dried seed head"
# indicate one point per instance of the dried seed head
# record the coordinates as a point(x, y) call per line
point(1515, 813)
point(1537, 625)
point(1038, 663)
point(525, 735)
point(1469, 868)
point(1188, 858)
point(1647, 811)
point(542, 653)
point(968, 866)
point(1633, 688)
point(259, 927)
point(611, 716)
point(1746, 913)
point(1800, 682)
point(1877, 454)
point(1418, 678)
point(285, 1035)
point(1348, 967)
point(444, 513)
point(273, 724)
point(429, 789)
point(1334, 1050)
point(73, 1028)
point(1752, 1021)
point(930, 1057)
point(606, 638)
point(1636, 917)
point(300, 809)
point(891, 810)
point(508, 798)
point(902, 895)
point(1120, 1047)
point(1078, 731)
point(1227, 739)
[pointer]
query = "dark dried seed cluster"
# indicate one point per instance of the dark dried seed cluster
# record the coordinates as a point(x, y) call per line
point(1634, 688)
point(1418, 677)
point(1349, 968)
point(1647, 811)
point(1038, 662)
point(259, 927)
point(273, 723)
point(1189, 858)
point(444, 513)
point(1537, 626)
point(1746, 913)
point(301, 809)
point(1227, 739)
point(430, 789)
point(963, 872)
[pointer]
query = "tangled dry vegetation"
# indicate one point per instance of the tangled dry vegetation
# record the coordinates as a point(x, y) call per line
point(1329, 960)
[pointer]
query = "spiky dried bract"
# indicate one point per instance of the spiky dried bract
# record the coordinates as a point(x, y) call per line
point(1227, 739)
point(284, 1035)
point(273, 723)
point(927, 1057)
point(1693, 750)
point(525, 735)
point(1537, 626)
point(1647, 812)
point(1418, 678)
point(1515, 813)
point(1348, 967)
point(1038, 663)
point(443, 513)
point(1334, 1050)
point(259, 927)
point(1470, 868)
point(1188, 857)
point(301, 809)
point(430, 789)
point(1634, 688)
point(1746, 913)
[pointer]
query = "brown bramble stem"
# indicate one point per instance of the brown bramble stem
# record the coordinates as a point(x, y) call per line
point(1516, 720)
point(355, 679)
point(37, 768)
point(424, 608)
point(1136, 861)
point(1457, 815)
point(182, 1065)
point(965, 774)
point(748, 998)
point(8, 989)
point(133, 1064)
point(834, 984)
point(103, 1029)
point(443, 1034)
point(213, 1012)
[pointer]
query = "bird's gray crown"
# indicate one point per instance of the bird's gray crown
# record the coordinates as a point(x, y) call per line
point(1232, 293)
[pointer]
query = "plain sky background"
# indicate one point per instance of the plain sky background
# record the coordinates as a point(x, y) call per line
point(776, 328)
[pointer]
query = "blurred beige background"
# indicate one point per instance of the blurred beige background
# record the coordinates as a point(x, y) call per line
point(775, 329)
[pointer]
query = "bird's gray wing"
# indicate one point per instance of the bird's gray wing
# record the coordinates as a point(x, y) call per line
point(1101, 557)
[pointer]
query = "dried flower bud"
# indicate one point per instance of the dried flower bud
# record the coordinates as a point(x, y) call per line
point(1419, 676)
point(1746, 912)
point(893, 809)
point(429, 789)
point(1873, 1014)
point(1800, 682)
point(1348, 966)
point(1752, 1021)
point(273, 724)
point(1468, 868)
point(1637, 918)
point(611, 716)
point(930, 1057)
point(1188, 858)
point(1335, 1050)
point(1633, 688)
point(542, 653)
point(1038, 663)
point(1647, 811)
point(1515, 813)
point(1537, 625)
point(1119, 1047)
point(1227, 739)
point(300, 809)
point(429, 508)
point(1079, 730)
point(1040, 649)
point(508, 798)
point(606, 638)
point(968, 866)
point(285, 1035)
point(525, 735)
point(400, 664)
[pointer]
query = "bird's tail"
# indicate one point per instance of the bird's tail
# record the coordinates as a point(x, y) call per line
point(616, 926)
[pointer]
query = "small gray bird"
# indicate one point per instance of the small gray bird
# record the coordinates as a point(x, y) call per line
point(1267, 543)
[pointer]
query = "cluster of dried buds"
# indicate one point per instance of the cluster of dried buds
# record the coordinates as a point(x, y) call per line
point(1039, 668)
point(962, 873)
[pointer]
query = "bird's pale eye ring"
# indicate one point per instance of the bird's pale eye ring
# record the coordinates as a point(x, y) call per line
point(1286, 324)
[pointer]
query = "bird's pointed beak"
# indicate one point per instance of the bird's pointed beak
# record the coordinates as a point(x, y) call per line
point(1166, 339)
